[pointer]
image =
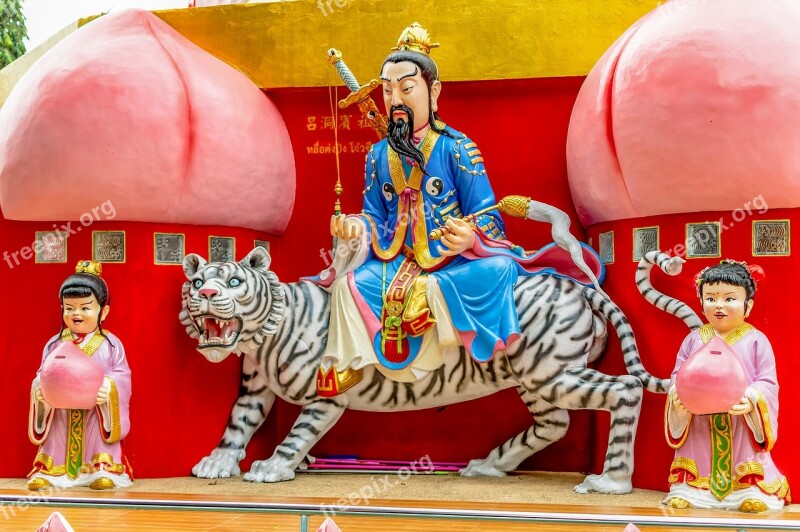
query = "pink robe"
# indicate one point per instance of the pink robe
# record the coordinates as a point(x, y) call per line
point(751, 436)
point(99, 430)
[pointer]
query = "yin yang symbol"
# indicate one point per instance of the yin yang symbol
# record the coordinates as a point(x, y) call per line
point(434, 186)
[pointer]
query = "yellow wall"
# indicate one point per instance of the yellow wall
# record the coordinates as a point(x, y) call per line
point(283, 44)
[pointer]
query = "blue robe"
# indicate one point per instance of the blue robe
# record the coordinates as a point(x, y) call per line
point(402, 206)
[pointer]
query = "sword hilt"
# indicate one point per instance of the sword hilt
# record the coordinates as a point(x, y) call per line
point(335, 57)
point(359, 95)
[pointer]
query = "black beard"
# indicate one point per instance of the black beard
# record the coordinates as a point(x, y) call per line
point(401, 136)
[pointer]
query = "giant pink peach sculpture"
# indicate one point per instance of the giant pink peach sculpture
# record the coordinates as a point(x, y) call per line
point(697, 96)
point(129, 111)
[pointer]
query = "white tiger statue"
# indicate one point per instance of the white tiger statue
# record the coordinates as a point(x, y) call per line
point(281, 330)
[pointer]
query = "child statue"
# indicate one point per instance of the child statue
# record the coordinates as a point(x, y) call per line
point(722, 460)
point(81, 447)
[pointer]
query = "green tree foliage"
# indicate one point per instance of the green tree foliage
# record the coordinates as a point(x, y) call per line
point(12, 31)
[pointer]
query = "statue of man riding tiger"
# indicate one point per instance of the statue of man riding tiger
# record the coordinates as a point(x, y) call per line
point(425, 178)
point(402, 322)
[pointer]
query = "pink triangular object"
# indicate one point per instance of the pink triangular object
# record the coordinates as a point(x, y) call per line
point(329, 526)
point(70, 379)
point(56, 523)
point(712, 379)
point(631, 528)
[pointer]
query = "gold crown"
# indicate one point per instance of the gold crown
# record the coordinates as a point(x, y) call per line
point(416, 39)
point(89, 266)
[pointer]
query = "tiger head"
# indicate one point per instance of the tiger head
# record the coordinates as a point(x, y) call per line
point(231, 306)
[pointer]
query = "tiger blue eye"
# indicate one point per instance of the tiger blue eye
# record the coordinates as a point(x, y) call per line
point(233, 283)
point(198, 283)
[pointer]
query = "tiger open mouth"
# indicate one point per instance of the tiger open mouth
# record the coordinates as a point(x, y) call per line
point(216, 332)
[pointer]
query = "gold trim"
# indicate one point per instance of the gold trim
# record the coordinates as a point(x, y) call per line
point(446, 210)
point(108, 460)
point(633, 241)
point(475, 160)
point(749, 468)
point(113, 402)
point(396, 171)
point(682, 463)
point(685, 464)
point(124, 247)
point(45, 459)
point(778, 487)
point(233, 259)
point(788, 239)
point(397, 243)
point(331, 383)
point(719, 236)
point(42, 234)
point(155, 249)
point(91, 347)
point(707, 333)
point(47, 466)
point(417, 313)
point(470, 145)
point(421, 251)
point(668, 434)
point(763, 410)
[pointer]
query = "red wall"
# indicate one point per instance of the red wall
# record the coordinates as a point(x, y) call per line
point(181, 401)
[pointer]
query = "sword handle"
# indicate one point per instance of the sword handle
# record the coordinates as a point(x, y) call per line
point(335, 57)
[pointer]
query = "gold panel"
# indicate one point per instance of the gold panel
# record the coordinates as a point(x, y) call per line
point(284, 44)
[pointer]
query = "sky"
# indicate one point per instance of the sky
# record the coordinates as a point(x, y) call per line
point(46, 17)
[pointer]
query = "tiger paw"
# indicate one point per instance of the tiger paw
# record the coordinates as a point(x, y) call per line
point(221, 463)
point(269, 471)
point(604, 484)
point(481, 468)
